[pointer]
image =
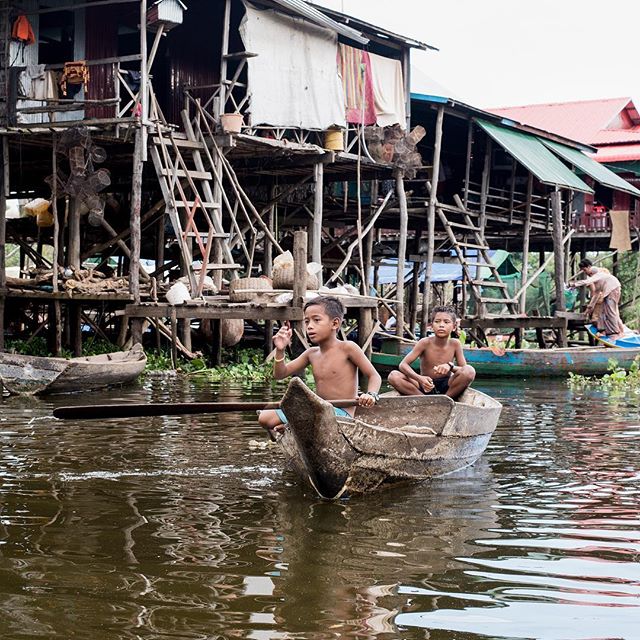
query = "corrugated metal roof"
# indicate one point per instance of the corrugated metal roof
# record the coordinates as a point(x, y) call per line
point(301, 8)
point(616, 136)
point(530, 152)
point(374, 29)
point(581, 121)
point(618, 153)
point(597, 171)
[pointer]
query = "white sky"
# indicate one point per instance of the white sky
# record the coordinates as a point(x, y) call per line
point(508, 52)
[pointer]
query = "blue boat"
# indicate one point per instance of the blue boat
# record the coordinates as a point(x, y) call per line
point(523, 363)
point(629, 340)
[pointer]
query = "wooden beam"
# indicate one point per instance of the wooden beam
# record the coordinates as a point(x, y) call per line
point(431, 219)
point(558, 253)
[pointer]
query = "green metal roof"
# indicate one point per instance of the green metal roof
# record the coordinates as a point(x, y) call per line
point(597, 171)
point(530, 152)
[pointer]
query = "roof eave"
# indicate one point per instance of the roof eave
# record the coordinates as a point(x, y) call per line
point(374, 29)
point(507, 122)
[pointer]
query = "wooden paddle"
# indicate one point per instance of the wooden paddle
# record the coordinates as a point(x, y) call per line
point(132, 410)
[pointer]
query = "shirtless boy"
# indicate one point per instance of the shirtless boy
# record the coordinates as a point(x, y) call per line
point(335, 363)
point(443, 368)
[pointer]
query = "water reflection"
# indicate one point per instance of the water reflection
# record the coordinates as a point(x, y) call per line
point(185, 527)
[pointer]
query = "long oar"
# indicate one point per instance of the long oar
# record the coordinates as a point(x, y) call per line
point(132, 410)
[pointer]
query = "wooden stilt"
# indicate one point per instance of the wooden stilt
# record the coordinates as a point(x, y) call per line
point(73, 256)
point(484, 192)
point(318, 193)
point(467, 169)
point(558, 255)
point(525, 255)
point(402, 252)
point(136, 201)
point(299, 283)
point(57, 315)
point(431, 220)
point(4, 149)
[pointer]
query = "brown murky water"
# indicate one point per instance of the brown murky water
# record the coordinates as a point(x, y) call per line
point(184, 527)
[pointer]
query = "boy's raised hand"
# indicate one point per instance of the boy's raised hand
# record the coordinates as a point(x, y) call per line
point(282, 339)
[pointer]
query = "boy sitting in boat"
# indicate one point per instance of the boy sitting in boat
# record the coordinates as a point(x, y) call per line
point(335, 363)
point(443, 368)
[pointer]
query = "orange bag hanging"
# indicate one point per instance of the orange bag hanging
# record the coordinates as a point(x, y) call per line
point(22, 31)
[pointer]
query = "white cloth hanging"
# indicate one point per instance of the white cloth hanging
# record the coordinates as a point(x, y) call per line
point(294, 79)
point(388, 91)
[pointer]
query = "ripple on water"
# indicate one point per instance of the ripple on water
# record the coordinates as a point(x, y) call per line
point(187, 527)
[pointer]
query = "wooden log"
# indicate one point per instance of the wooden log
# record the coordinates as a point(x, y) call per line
point(525, 244)
point(431, 219)
point(467, 169)
point(558, 255)
point(73, 246)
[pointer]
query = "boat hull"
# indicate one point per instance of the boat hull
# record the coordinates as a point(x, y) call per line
point(402, 439)
point(525, 363)
point(28, 375)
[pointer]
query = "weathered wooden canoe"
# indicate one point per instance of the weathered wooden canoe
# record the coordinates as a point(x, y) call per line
point(528, 363)
point(629, 340)
point(32, 374)
point(401, 439)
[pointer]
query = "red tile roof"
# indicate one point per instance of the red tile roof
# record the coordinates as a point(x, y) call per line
point(583, 121)
point(618, 153)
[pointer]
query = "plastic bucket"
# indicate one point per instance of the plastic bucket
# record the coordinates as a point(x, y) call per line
point(231, 122)
point(334, 140)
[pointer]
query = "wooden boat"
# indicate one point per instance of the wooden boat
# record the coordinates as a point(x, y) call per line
point(32, 374)
point(528, 363)
point(630, 339)
point(401, 439)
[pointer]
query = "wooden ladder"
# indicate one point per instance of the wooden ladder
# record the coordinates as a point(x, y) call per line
point(188, 191)
point(458, 232)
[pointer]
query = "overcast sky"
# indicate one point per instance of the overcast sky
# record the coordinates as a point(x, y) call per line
point(509, 52)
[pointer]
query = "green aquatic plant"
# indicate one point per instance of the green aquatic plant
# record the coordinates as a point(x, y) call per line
point(244, 365)
point(618, 379)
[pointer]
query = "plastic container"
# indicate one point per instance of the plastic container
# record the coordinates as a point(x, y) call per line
point(334, 140)
point(231, 122)
point(178, 293)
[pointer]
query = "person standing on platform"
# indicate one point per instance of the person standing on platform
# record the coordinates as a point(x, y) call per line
point(607, 287)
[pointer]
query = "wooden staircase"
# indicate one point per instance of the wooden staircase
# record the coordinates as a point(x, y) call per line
point(463, 234)
point(193, 201)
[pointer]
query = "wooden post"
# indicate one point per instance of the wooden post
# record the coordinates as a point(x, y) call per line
point(299, 268)
point(144, 71)
point(223, 60)
point(136, 201)
point(512, 189)
point(402, 251)
point(484, 191)
point(558, 257)
point(4, 150)
point(73, 256)
point(57, 340)
point(431, 220)
point(299, 284)
point(316, 238)
point(525, 242)
point(267, 265)
point(467, 170)
point(415, 279)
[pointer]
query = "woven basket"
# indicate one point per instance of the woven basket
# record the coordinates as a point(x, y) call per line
point(283, 278)
point(238, 293)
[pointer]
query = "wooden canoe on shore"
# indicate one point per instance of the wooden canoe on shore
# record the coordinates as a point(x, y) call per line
point(401, 439)
point(528, 363)
point(30, 375)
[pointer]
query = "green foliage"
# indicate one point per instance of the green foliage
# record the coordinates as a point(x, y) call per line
point(244, 365)
point(35, 347)
point(617, 380)
point(161, 361)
